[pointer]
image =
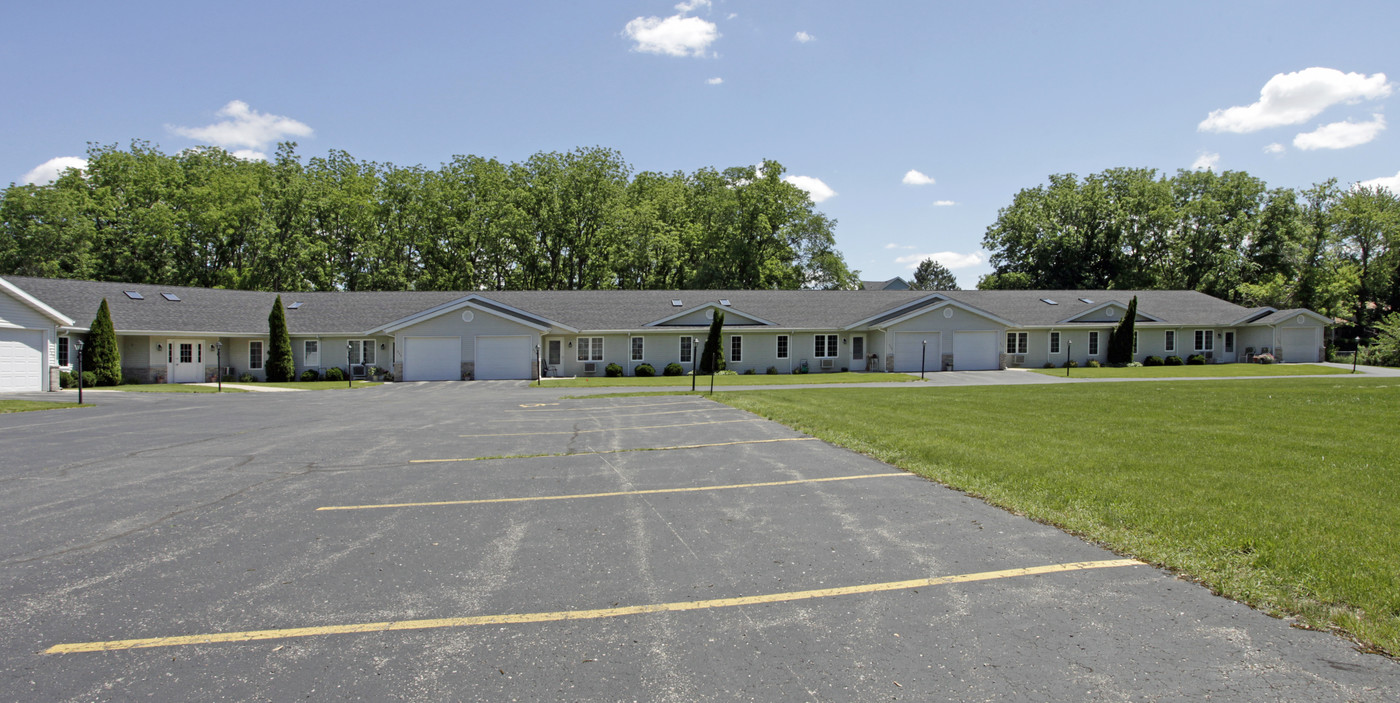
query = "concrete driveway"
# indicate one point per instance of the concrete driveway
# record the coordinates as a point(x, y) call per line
point(482, 541)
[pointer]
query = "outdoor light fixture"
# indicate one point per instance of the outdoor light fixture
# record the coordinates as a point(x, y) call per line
point(158, 348)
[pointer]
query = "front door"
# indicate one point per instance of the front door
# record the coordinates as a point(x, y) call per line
point(857, 353)
point(184, 360)
point(554, 358)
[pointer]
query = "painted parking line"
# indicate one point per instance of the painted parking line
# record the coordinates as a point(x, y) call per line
point(614, 451)
point(526, 618)
point(615, 429)
point(608, 407)
point(613, 494)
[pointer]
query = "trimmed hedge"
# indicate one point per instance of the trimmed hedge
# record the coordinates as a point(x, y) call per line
point(335, 373)
point(1173, 360)
point(1196, 360)
point(613, 371)
point(310, 375)
point(645, 370)
point(673, 369)
point(1153, 361)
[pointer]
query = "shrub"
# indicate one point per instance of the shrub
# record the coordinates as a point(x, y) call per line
point(750, 372)
point(1071, 364)
point(613, 371)
point(131, 381)
point(279, 366)
point(66, 380)
point(311, 375)
point(228, 378)
point(388, 376)
point(1196, 360)
point(89, 379)
point(1049, 365)
point(1153, 361)
point(335, 373)
point(1173, 360)
point(772, 371)
point(101, 354)
point(1264, 359)
point(673, 369)
point(1133, 365)
point(245, 377)
point(645, 370)
point(1093, 364)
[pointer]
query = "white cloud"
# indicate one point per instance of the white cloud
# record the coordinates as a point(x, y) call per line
point(1340, 135)
point(249, 155)
point(804, 37)
point(1390, 182)
point(951, 259)
point(1274, 148)
point(944, 203)
point(817, 190)
point(1205, 162)
point(245, 127)
point(715, 81)
point(915, 178)
point(673, 36)
point(692, 5)
point(50, 170)
point(892, 245)
point(1294, 98)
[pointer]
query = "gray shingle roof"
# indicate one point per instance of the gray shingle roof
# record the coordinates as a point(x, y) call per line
point(245, 312)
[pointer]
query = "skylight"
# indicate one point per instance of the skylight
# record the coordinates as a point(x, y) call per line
point(724, 302)
point(1086, 300)
point(676, 303)
point(134, 295)
point(1048, 301)
point(294, 306)
point(171, 297)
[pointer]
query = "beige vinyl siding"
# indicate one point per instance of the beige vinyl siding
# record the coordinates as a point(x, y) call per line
point(447, 324)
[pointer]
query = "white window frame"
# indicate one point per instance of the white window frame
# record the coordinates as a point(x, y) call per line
point(62, 353)
point(587, 346)
point(1169, 341)
point(357, 352)
point(638, 348)
point(783, 346)
point(1207, 337)
point(255, 361)
point(736, 348)
point(687, 350)
point(1094, 343)
point(1017, 342)
point(1054, 342)
point(311, 357)
point(1135, 334)
point(831, 344)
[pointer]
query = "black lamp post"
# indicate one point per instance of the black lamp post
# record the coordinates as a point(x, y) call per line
point(923, 359)
point(1069, 354)
point(349, 365)
point(692, 364)
point(78, 345)
point(219, 348)
point(1354, 354)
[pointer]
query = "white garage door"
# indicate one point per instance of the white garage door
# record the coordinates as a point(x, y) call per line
point(432, 359)
point(908, 351)
point(1299, 345)
point(21, 361)
point(503, 357)
point(975, 351)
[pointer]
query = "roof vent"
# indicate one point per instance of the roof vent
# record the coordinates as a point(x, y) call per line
point(134, 295)
point(171, 297)
point(1048, 301)
point(675, 303)
point(724, 302)
point(1086, 300)
point(294, 306)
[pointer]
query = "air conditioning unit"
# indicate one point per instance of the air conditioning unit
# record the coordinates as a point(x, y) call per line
point(828, 363)
point(590, 367)
point(227, 371)
point(1019, 359)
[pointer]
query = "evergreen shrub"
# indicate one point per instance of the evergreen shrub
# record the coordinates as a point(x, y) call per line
point(645, 370)
point(335, 373)
point(310, 375)
point(613, 371)
point(1153, 361)
point(66, 380)
point(1173, 360)
point(674, 369)
point(772, 371)
point(1071, 364)
point(1196, 360)
point(246, 377)
point(1093, 364)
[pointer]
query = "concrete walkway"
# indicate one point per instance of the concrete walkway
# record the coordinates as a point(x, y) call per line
point(250, 387)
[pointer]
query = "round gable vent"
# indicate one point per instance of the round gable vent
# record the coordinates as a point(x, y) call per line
point(468, 316)
point(948, 313)
point(710, 314)
point(1108, 312)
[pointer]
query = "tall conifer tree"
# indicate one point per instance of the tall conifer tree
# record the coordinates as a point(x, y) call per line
point(1120, 340)
point(279, 356)
point(713, 358)
point(101, 355)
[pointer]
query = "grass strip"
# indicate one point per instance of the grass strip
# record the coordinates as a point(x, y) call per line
point(729, 380)
point(1282, 494)
point(24, 406)
point(1206, 371)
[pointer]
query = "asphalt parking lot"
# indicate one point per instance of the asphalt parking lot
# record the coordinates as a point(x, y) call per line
point(486, 541)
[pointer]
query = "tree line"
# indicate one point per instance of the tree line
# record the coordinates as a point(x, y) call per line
point(1326, 248)
point(556, 221)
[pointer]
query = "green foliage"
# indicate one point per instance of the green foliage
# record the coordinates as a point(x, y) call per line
point(613, 371)
point(1094, 364)
point(673, 369)
point(1196, 360)
point(1153, 361)
point(1173, 360)
point(1385, 350)
point(89, 379)
point(1071, 364)
point(1048, 365)
point(931, 275)
point(644, 370)
point(712, 357)
point(246, 377)
point(280, 366)
point(335, 373)
point(772, 371)
point(750, 372)
point(310, 375)
point(101, 356)
point(1120, 340)
point(66, 380)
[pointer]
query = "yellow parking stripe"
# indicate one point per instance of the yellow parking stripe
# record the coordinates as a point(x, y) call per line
point(524, 618)
point(614, 451)
point(615, 429)
point(612, 494)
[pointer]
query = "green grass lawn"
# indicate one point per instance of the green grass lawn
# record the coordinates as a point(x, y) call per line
point(320, 385)
point(727, 380)
point(163, 388)
point(1206, 371)
point(24, 406)
point(1283, 494)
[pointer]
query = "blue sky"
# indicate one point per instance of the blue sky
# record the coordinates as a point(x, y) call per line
point(981, 99)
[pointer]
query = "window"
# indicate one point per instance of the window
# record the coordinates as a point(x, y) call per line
point(1054, 342)
point(590, 348)
point(255, 354)
point(1229, 342)
point(1205, 340)
point(171, 297)
point(311, 353)
point(825, 346)
point(736, 348)
point(782, 346)
point(687, 350)
point(638, 349)
point(134, 295)
point(361, 351)
point(1093, 344)
point(63, 351)
point(186, 353)
point(1169, 343)
point(1016, 342)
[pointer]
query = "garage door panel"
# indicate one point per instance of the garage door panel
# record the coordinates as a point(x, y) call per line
point(909, 351)
point(1299, 345)
point(502, 358)
point(432, 359)
point(21, 361)
point(976, 351)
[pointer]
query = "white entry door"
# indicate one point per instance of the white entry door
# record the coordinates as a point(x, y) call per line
point(184, 360)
